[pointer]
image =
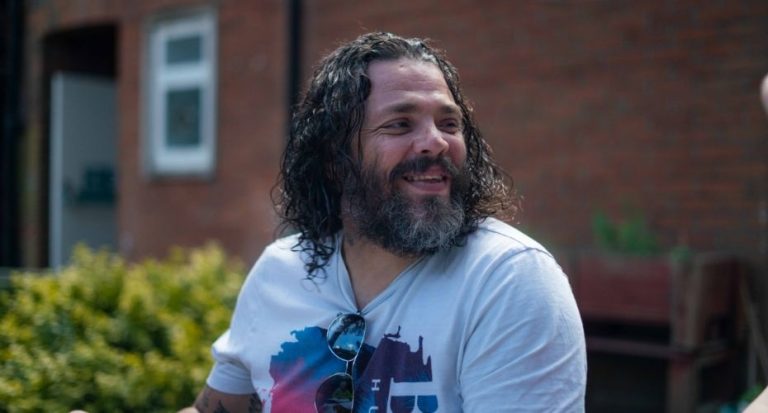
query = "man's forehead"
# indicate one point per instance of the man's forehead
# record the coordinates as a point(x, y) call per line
point(394, 81)
point(401, 65)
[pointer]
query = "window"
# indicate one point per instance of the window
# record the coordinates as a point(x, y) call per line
point(181, 94)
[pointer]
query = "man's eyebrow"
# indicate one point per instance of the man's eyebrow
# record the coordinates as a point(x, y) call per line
point(403, 107)
point(452, 109)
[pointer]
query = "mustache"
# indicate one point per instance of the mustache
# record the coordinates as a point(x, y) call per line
point(421, 164)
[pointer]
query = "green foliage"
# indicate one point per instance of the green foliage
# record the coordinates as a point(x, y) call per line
point(103, 335)
point(751, 393)
point(629, 236)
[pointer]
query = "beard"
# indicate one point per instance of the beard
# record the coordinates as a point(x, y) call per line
point(405, 226)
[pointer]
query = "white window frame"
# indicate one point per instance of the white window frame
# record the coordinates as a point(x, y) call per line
point(163, 159)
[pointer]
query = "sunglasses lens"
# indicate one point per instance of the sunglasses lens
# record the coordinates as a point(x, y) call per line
point(345, 336)
point(335, 394)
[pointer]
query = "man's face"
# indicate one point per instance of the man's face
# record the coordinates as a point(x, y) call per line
point(410, 114)
point(413, 153)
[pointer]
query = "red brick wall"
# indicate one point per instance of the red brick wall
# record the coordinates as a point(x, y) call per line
point(606, 106)
point(233, 206)
point(591, 106)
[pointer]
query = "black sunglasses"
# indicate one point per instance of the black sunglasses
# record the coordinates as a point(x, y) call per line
point(345, 338)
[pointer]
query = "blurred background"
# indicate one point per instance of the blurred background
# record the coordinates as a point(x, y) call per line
point(633, 130)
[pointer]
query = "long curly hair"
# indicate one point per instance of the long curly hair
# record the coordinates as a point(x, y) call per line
point(318, 155)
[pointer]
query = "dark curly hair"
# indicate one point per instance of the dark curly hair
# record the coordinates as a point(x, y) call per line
point(318, 155)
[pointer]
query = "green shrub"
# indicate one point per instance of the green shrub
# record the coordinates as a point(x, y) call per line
point(107, 336)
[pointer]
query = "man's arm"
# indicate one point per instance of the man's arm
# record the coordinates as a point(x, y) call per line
point(214, 401)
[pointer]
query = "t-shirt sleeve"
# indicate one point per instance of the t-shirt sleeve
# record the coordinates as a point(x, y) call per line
point(525, 349)
point(228, 375)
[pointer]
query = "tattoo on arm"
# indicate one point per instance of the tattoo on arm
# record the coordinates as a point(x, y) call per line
point(206, 400)
point(201, 404)
point(220, 408)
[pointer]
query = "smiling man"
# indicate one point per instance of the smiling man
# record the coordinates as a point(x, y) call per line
point(400, 292)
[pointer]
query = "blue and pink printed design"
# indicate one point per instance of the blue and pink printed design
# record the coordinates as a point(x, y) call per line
point(389, 378)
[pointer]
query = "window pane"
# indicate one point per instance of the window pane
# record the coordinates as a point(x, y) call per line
point(183, 50)
point(182, 120)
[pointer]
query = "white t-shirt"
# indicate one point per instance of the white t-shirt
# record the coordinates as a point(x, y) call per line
point(488, 327)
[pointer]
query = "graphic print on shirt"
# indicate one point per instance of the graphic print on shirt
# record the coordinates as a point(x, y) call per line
point(389, 378)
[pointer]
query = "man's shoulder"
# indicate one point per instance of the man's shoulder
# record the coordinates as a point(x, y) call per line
point(282, 259)
point(498, 234)
point(286, 252)
point(285, 246)
point(495, 244)
point(290, 250)
point(498, 253)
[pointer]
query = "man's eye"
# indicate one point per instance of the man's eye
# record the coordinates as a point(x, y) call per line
point(451, 125)
point(395, 126)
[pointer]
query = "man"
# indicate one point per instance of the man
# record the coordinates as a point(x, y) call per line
point(399, 292)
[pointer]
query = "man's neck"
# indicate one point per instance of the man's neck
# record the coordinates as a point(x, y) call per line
point(371, 268)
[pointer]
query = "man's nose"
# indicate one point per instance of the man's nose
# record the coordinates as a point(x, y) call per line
point(431, 141)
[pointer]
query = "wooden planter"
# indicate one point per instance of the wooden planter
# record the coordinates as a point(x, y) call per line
point(694, 302)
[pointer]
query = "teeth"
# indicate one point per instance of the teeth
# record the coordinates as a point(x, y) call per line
point(424, 178)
